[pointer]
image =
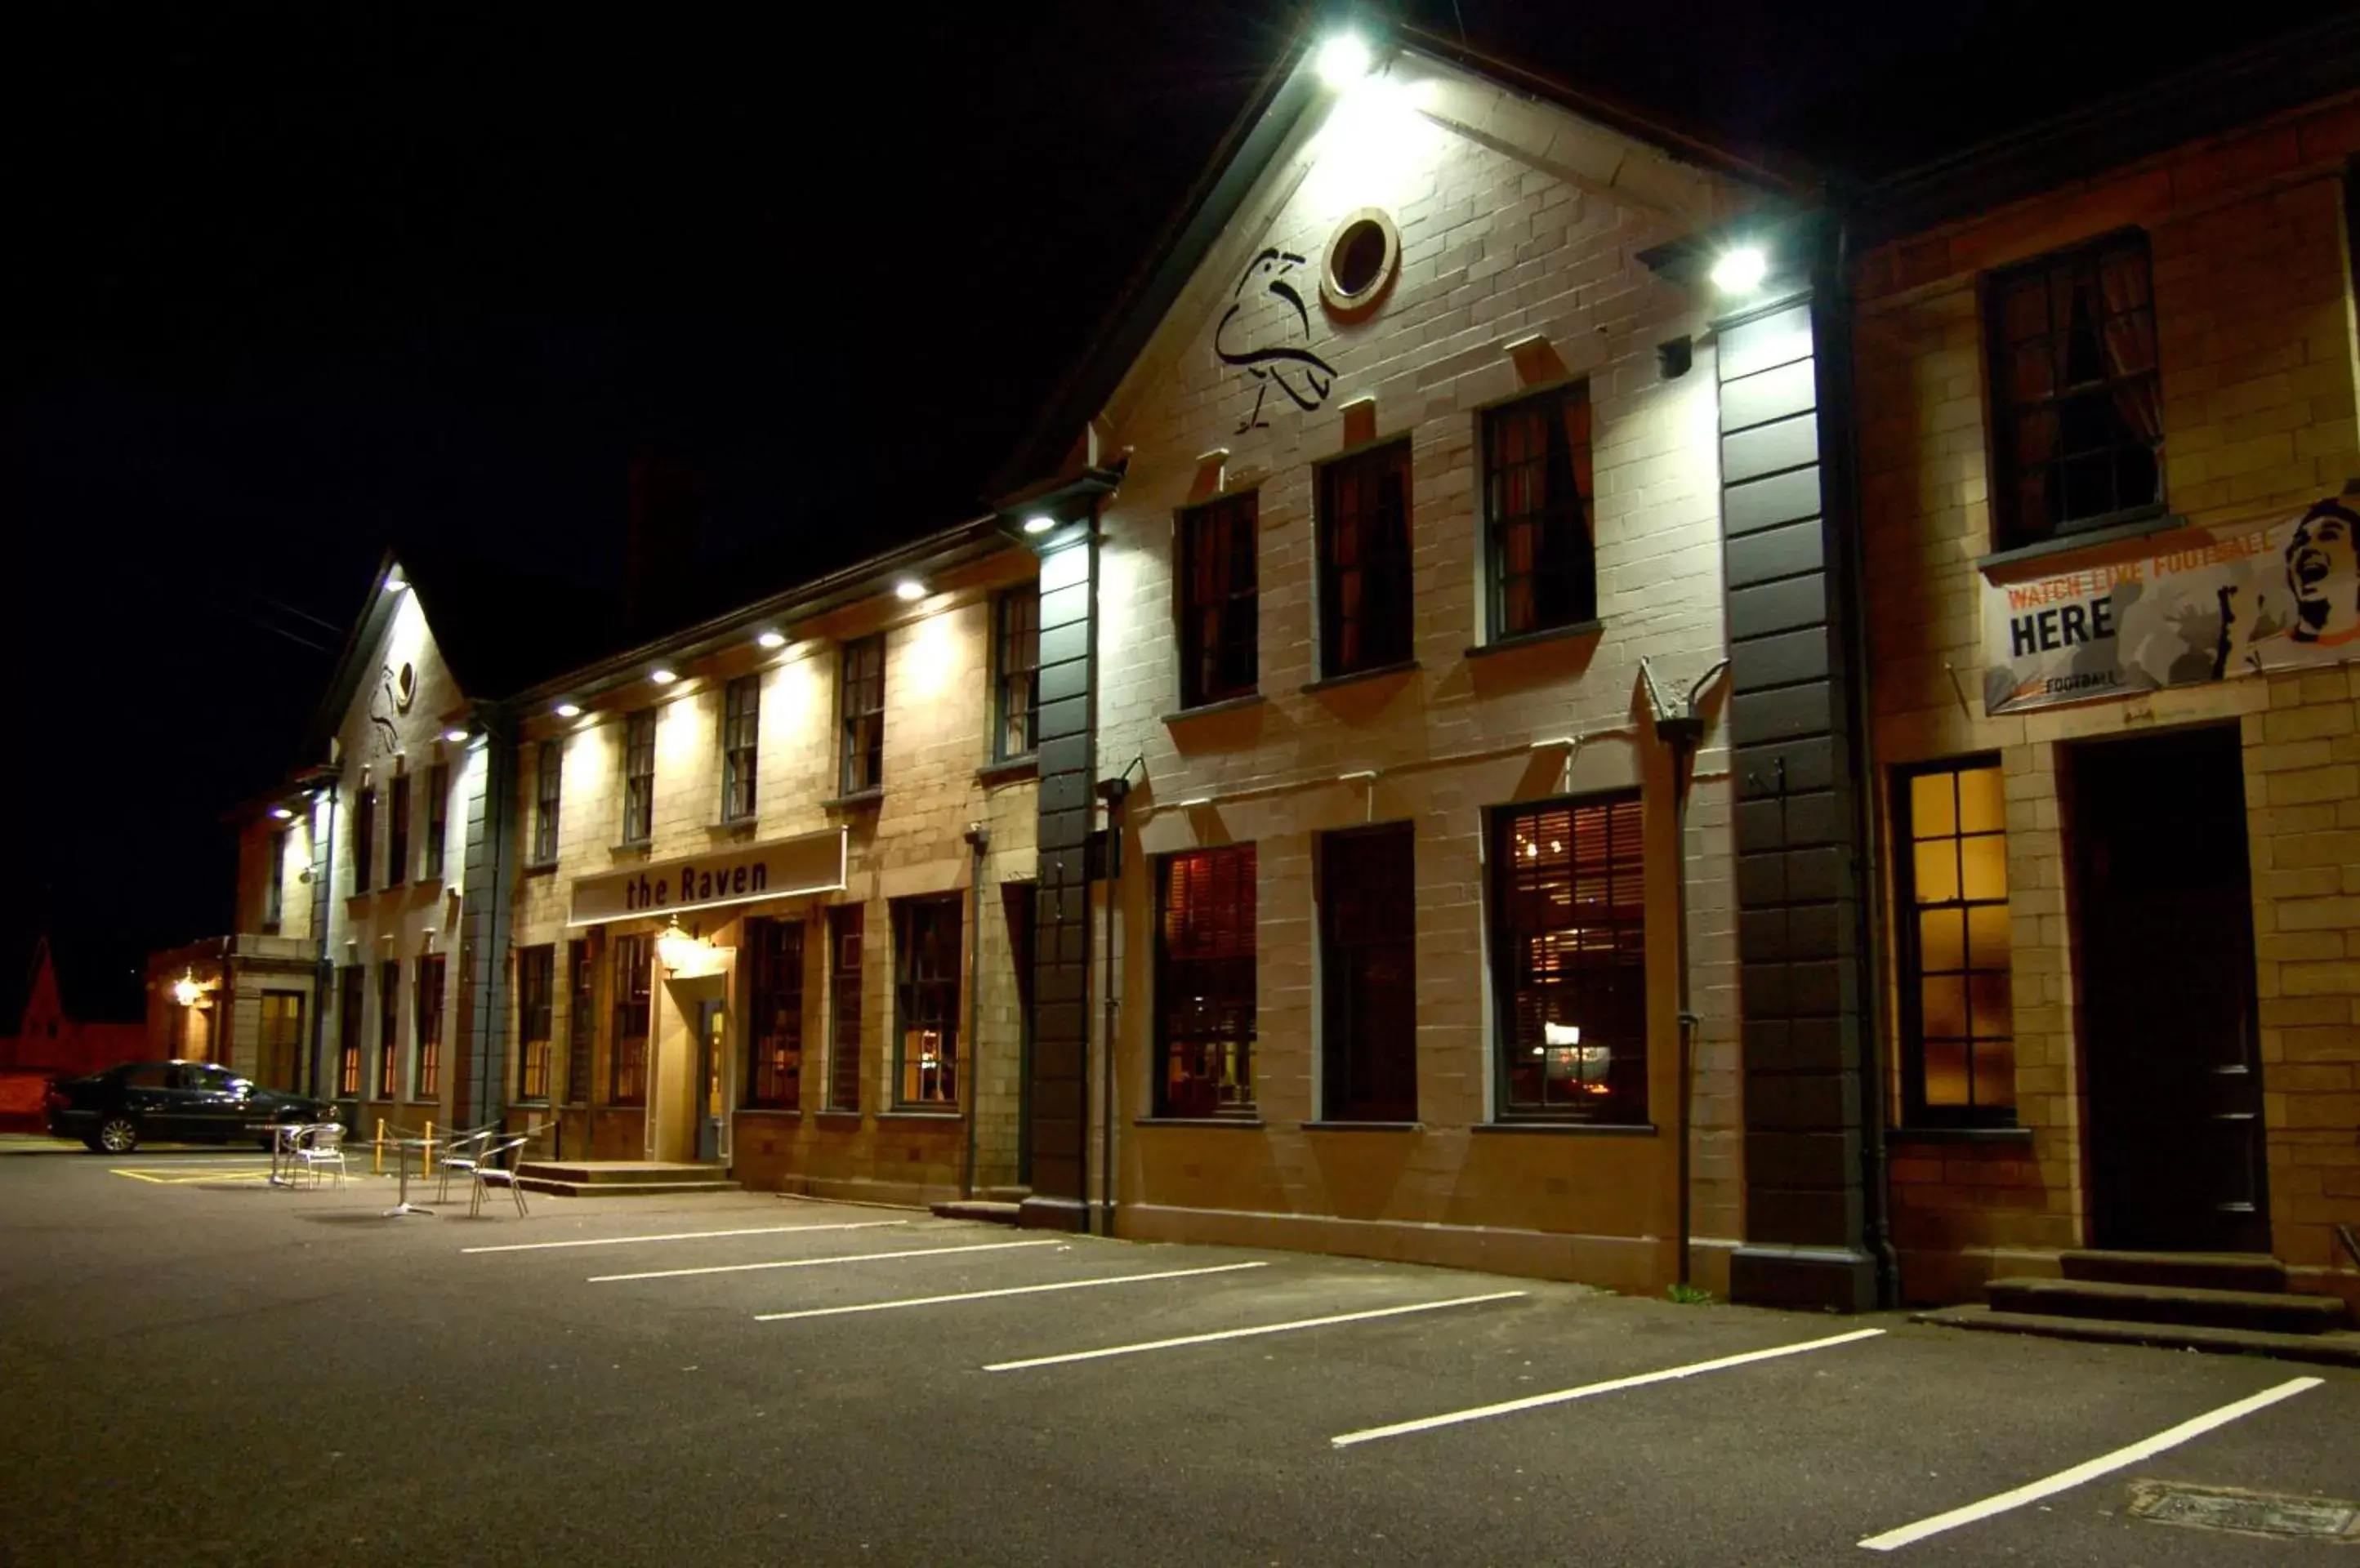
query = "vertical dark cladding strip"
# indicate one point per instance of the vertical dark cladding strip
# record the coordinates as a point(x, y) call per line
point(480, 1096)
point(1057, 1095)
point(1793, 753)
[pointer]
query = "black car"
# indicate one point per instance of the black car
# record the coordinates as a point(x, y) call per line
point(115, 1111)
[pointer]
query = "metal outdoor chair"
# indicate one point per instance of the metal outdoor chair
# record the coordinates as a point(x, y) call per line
point(459, 1156)
point(489, 1172)
point(319, 1148)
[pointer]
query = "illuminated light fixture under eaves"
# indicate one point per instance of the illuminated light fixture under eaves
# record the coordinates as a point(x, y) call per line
point(281, 813)
point(1741, 271)
point(395, 582)
point(908, 589)
point(454, 734)
point(773, 639)
point(569, 710)
point(662, 676)
point(1038, 523)
point(1344, 60)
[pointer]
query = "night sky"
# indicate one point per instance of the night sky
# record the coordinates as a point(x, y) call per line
point(300, 284)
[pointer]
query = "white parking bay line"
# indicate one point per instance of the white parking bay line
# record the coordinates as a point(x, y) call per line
point(1247, 1333)
point(2089, 1470)
point(1010, 1290)
point(679, 1236)
point(1589, 1390)
point(815, 1262)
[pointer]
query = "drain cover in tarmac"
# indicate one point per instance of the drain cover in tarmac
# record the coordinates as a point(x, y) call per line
point(2250, 1513)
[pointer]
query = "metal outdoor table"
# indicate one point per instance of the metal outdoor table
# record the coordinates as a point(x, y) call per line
point(402, 1205)
point(284, 1137)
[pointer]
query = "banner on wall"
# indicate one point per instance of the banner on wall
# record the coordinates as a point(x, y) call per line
point(2194, 606)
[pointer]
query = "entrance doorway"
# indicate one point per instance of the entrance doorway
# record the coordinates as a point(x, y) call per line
point(712, 1018)
point(2164, 930)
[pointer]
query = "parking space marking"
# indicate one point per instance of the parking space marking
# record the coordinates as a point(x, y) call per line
point(1589, 1390)
point(1010, 1290)
point(1247, 1333)
point(2089, 1470)
point(815, 1262)
point(679, 1236)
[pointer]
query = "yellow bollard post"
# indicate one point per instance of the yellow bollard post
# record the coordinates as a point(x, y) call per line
point(376, 1159)
point(426, 1155)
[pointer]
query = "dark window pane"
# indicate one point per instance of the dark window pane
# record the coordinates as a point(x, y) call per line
point(861, 702)
point(774, 1028)
point(1365, 609)
point(742, 726)
point(926, 1001)
point(1016, 660)
point(626, 1066)
point(2074, 391)
point(581, 1019)
point(1369, 975)
point(549, 785)
point(397, 834)
point(639, 777)
point(536, 1011)
point(847, 933)
point(1220, 602)
point(1536, 489)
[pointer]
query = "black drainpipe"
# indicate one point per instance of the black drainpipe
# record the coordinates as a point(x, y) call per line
point(323, 977)
point(1114, 792)
point(978, 839)
point(1683, 733)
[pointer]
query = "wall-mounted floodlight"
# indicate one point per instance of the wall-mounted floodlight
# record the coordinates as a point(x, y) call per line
point(569, 710)
point(1038, 523)
point(908, 589)
point(773, 639)
point(1344, 60)
point(1741, 271)
point(662, 676)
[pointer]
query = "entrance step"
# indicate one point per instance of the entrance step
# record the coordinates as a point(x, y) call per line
point(981, 1209)
point(2338, 1349)
point(621, 1178)
point(2193, 1271)
point(2262, 1311)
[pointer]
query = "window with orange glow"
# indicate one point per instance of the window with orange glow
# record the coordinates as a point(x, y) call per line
point(775, 1020)
point(1957, 1015)
point(1569, 959)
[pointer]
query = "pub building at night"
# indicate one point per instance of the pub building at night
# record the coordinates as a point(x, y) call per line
point(1539, 700)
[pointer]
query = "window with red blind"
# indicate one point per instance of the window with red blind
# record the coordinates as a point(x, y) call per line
point(774, 1028)
point(388, 1037)
point(1205, 983)
point(626, 1063)
point(1569, 959)
point(1220, 604)
point(426, 1070)
point(1364, 581)
point(846, 930)
point(536, 1013)
point(1367, 975)
point(1536, 489)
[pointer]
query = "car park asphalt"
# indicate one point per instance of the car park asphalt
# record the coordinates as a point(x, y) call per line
point(200, 1367)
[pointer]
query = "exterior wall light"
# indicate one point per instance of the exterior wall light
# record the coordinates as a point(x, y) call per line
point(908, 589)
point(186, 991)
point(1344, 60)
point(662, 676)
point(1038, 523)
point(394, 582)
point(454, 734)
point(281, 813)
point(1741, 271)
point(569, 710)
point(773, 639)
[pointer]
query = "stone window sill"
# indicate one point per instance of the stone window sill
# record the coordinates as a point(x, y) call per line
point(1198, 1122)
point(1536, 639)
point(1571, 1129)
point(782, 1111)
point(858, 801)
point(732, 827)
point(1329, 682)
point(1008, 769)
point(2135, 524)
point(537, 867)
point(1206, 709)
point(1364, 1126)
point(920, 1117)
point(838, 1117)
point(1958, 1135)
point(639, 847)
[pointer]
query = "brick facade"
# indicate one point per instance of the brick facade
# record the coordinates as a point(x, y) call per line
point(2253, 305)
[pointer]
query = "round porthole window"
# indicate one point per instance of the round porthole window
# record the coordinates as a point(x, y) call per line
point(1363, 254)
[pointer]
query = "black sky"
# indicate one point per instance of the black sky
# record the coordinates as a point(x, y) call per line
point(314, 278)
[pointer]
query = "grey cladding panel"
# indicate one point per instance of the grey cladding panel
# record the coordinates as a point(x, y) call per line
point(1770, 395)
point(1782, 337)
point(1765, 503)
point(1766, 448)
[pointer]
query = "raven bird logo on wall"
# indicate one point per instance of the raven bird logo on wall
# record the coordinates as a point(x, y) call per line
point(395, 690)
point(1267, 334)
